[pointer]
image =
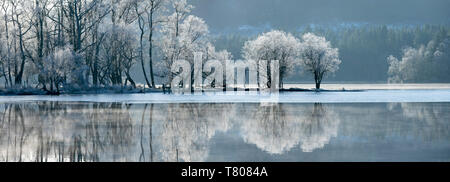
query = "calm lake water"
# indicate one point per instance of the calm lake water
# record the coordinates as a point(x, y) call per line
point(43, 130)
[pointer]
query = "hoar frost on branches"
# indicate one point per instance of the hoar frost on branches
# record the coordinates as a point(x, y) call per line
point(182, 35)
point(61, 67)
point(274, 45)
point(318, 57)
point(423, 64)
point(118, 53)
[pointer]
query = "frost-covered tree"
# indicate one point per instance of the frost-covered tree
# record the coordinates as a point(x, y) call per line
point(3, 62)
point(210, 76)
point(34, 30)
point(108, 37)
point(118, 53)
point(318, 57)
point(148, 14)
point(4, 44)
point(19, 15)
point(182, 35)
point(181, 41)
point(423, 64)
point(128, 52)
point(62, 67)
point(274, 45)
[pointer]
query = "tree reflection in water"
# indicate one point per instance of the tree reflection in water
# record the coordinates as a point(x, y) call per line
point(72, 131)
point(426, 121)
point(319, 126)
point(278, 128)
point(187, 129)
point(54, 131)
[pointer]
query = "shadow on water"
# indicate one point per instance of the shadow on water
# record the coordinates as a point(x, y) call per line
point(79, 131)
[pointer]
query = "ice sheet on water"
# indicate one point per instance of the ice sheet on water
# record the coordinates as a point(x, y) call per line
point(370, 96)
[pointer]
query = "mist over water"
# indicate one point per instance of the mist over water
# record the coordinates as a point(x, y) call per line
point(80, 131)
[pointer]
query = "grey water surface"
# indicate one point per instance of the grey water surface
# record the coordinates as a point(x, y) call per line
point(43, 130)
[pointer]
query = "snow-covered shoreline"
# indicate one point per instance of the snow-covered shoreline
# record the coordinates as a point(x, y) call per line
point(90, 91)
point(327, 87)
point(369, 96)
point(373, 86)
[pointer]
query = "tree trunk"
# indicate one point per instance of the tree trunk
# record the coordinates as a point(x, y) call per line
point(130, 80)
point(4, 74)
point(18, 78)
point(141, 54)
point(317, 80)
point(150, 54)
point(95, 73)
point(8, 47)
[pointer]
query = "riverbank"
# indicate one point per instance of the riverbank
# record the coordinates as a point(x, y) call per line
point(85, 91)
point(369, 96)
point(371, 86)
point(331, 87)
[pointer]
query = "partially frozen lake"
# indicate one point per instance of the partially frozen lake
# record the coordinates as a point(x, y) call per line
point(411, 124)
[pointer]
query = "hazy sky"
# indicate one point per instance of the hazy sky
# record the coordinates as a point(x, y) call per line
point(231, 14)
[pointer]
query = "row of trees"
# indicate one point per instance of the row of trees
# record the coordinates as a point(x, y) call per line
point(426, 63)
point(75, 44)
point(81, 43)
point(312, 53)
point(66, 41)
point(363, 47)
